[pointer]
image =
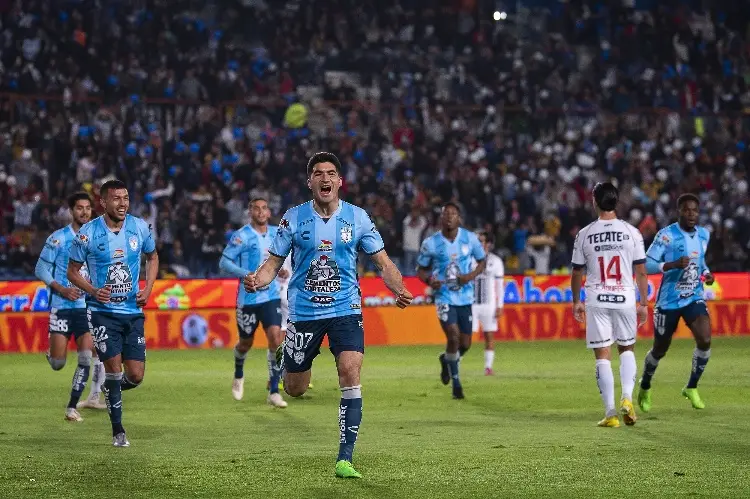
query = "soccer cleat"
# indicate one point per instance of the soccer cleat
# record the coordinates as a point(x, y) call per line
point(609, 422)
point(488, 371)
point(445, 376)
point(458, 393)
point(344, 469)
point(628, 412)
point(310, 385)
point(644, 399)
point(238, 388)
point(692, 395)
point(93, 402)
point(72, 415)
point(275, 400)
point(120, 440)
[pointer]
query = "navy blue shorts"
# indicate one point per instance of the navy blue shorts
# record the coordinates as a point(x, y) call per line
point(118, 334)
point(303, 339)
point(456, 314)
point(68, 322)
point(665, 321)
point(250, 316)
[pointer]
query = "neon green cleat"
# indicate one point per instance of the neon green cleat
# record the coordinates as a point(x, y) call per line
point(692, 395)
point(344, 469)
point(644, 399)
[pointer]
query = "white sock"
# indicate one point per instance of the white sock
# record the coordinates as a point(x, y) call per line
point(489, 358)
point(628, 371)
point(97, 379)
point(606, 381)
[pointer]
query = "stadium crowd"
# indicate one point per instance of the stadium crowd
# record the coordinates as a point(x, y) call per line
point(200, 106)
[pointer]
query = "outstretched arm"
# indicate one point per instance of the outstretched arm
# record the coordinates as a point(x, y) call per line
point(392, 278)
point(264, 275)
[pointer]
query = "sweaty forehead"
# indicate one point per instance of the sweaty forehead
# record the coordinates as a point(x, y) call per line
point(117, 193)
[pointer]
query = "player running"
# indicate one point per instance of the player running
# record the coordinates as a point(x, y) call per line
point(111, 247)
point(488, 300)
point(444, 264)
point(324, 237)
point(247, 248)
point(679, 251)
point(610, 250)
point(68, 310)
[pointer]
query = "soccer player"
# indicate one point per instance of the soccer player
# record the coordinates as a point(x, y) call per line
point(444, 263)
point(324, 237)
point(68, 310)
point(610, 250)
point(679, 252)
point(247, 248)
point(488, 300)
point(111, 247)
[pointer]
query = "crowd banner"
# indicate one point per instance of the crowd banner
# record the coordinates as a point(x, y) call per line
point(189, 314)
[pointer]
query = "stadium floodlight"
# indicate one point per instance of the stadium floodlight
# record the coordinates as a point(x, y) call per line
point(500, 16)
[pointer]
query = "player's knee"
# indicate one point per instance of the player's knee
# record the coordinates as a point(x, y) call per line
point(703, 343)
point(55, 363)
point(84, 358)
point(294, 389)
point(131, 380)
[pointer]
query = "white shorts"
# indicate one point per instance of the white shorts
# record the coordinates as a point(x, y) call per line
point(485, 316)
point(284, 312)
point(605, 326)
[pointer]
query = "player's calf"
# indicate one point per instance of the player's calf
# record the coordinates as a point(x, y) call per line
point(80, 377)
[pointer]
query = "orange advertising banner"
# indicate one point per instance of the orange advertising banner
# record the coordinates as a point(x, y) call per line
point(217, 328)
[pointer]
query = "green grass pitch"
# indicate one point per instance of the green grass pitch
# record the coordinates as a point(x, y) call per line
point(527, 432)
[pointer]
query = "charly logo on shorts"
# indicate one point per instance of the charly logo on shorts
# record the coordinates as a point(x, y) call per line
point(323, 276)
point(119, 278)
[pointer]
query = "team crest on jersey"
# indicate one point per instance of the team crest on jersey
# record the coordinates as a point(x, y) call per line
point(284, 223)
point(133, 242)
point(465, 249)
point(119, 278)
point(325, 245)
point(346, 235)
point(118, 254)
point(665, 239)
point(323, 276)
point(237, 241)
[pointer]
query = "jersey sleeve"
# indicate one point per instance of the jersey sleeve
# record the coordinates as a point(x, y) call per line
point(477, 251)
point(148, 244)
point(79, 250)
point(282, 243)
point(656, 252)
point(230, 255)
point(500, 282)
point(705, 248)
point(578, 260)
point(46, 262)
point(371, 241)
point(426, 254)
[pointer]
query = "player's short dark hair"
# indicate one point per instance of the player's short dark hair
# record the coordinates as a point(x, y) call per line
point(606, 196)
point(323, 157)
point(451, 204)
point(252, 201)
point(111, 185)
point(78, 196)
point(488, 236)
point(687, 197)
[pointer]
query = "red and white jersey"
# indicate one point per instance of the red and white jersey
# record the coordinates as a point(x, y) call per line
point(609, 249)
point(488, 286)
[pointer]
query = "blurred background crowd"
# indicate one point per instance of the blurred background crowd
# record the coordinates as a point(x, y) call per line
point(513, 110)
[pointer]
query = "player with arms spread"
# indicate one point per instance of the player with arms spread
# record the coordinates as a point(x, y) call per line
point(610, 250)
point(488, 300)
point(445, 264)
point(679, 251)
point(111, 247)
point(247, 248)
point(324, 237)
point(68, 310)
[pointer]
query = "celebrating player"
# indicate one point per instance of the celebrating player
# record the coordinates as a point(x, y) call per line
point(610, 249)
point(444, 264)
point(324, 237)
point(68, 310)
point(111, 246)
point(679, 251)
point(247, 248)
point(488, 300)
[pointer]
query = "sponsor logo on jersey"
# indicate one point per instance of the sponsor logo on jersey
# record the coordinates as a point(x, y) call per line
point(324, 300)
point(83, 238)
point(284, 223)
point(609, 247)
point(689, 280)
point(355, 306)
point(118, 254)
point(120, 280)
point(323, 276)
point(325, 245)
point(133, 242)
point(604, 298)
point(346, 235)
point(55, 242)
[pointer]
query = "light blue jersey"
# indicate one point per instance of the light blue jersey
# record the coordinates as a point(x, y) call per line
point(246, 250)
point(114, 260)
point(679, 287)
point(448, 260)
point(324, 259)
point(53, 266)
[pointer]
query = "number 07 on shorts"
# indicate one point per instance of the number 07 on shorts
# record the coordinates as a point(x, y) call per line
point(605, 326)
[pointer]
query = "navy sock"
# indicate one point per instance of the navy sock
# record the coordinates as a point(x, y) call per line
point(700, 359)
point(452, 360)
point(80, 377)
point(649, 368)
point(274, 372)
point(126, 384)
point(239, 364)
point(113, 393)
point(350, 417)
